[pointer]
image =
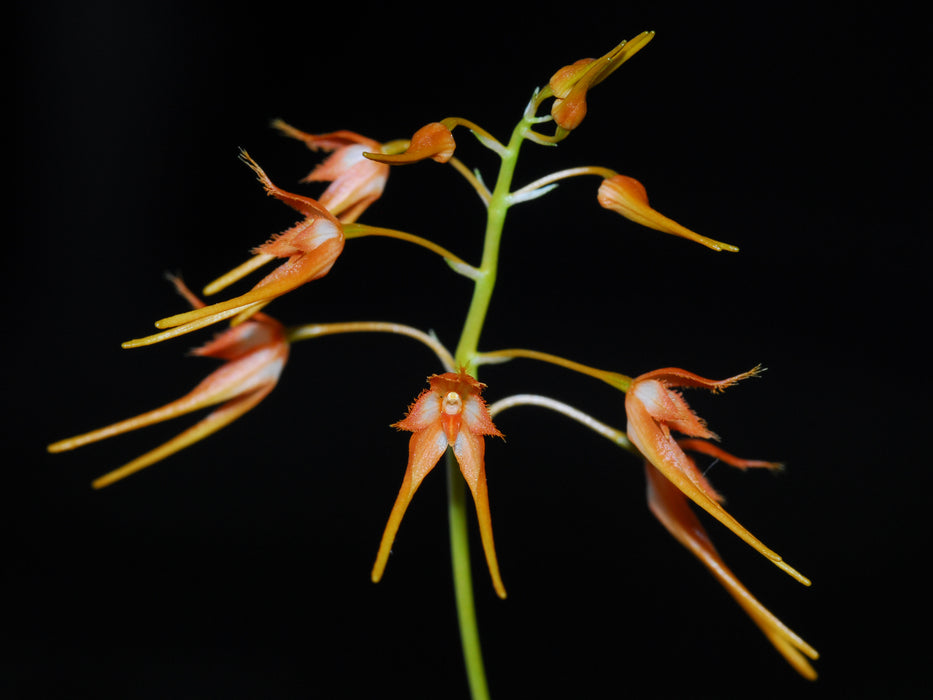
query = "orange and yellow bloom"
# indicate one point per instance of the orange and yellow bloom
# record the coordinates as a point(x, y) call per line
point(670, 507)
point(434, 141)
point(571, 84)
point(450, 417)
point(451, 413)
point(627, 196)
point(310, 249)
point(654, 409)
point(254, 352)
point(355, 181)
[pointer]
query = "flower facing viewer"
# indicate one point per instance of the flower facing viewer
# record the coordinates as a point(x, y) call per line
point(450, 413)
point(254, 352)
point(654, 409)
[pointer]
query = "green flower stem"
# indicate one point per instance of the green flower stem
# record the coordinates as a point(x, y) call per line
point(607, 431)
point(463, 580)
point(466, 356)
point(619, 381)
point(316, 330)
point(361, 230)
point(485, 280)
point(564, 174)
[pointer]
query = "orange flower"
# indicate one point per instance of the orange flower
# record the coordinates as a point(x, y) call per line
point(356, 182)
point(254, 352)
point(571, 83)
point(310, 248)
point(669, 505)
point(450, 413)
point(654, 409)
point(432, 141)
point(627, 196)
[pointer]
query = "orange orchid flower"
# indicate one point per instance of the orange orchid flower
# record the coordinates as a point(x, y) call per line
point(669, 505)
point(310, 248)
point(654, 409)
point(254, 352)
point(450, 413)
point(356, 182)
point(571, 83)
point(628, 197)
point(432, 141)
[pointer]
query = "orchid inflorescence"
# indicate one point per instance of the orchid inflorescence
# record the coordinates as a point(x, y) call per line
point(450, 417)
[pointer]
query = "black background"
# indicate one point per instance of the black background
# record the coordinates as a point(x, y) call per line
point(239, 568)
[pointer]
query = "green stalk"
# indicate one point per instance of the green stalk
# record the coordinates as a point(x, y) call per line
point(485, 280)
point(466, 356)
point(463, 580)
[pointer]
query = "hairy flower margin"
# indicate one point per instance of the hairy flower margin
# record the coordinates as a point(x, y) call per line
point(355, 181)
point(451, 413)
point(309, 249)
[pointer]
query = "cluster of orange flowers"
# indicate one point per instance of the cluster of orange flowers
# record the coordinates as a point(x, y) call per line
point(451, 412)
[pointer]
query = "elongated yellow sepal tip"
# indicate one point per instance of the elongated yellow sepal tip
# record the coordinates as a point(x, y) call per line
point(500, 590)
point(155, 338)
point(143, 342)
point(237, 273)
point(788, 569)
point(104, 481)
point(60, 446)
point(189, 326)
